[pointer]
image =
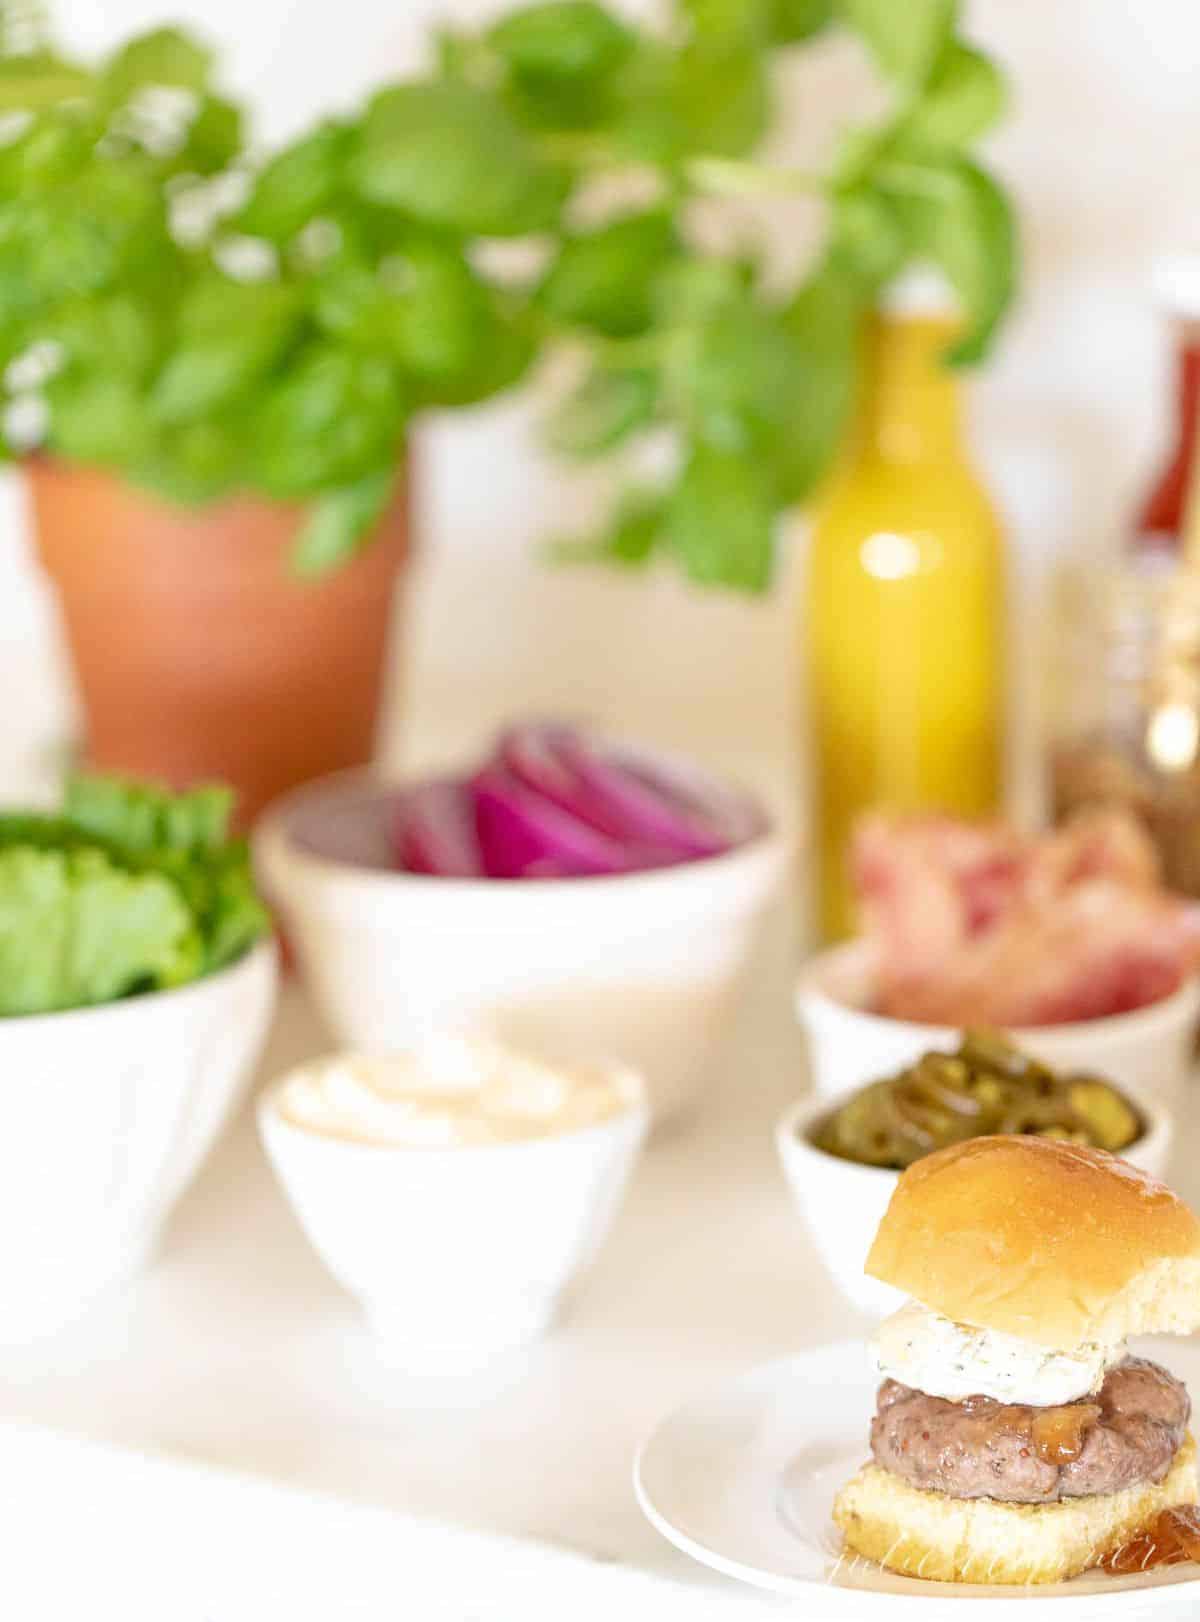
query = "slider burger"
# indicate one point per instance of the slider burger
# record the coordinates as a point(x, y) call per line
point(1015, 1440)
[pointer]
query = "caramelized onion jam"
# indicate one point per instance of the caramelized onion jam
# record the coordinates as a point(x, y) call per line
point(1059, 1434)
point(1171, 1539)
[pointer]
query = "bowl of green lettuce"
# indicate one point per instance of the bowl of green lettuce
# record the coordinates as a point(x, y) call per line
point(127, 889)
point(137, 978)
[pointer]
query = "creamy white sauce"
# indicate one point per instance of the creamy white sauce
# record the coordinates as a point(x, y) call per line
point(452, 1092)
point(933, 1354)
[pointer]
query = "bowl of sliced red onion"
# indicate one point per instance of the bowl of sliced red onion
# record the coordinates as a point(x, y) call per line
point(571, 895)
point(1066, 940)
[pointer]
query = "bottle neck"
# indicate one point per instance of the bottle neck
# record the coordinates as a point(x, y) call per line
point(911, 410)
point(1163, 513)
point(1187, 392)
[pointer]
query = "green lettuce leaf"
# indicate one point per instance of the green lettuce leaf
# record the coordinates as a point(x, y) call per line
point(76, 930)
point(184, 839)
point(139, 818)
point(152, 873)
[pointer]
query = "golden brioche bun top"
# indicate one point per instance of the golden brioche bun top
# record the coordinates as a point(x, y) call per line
point(1051, 1241)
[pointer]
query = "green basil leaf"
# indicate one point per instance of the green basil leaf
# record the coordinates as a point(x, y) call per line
point(643, 126)
point(739, 383)
point(859, 150)
point(196, 462)
point(498, 363)
point(867, 236)
point(691, 291)
point(232, 334)
point(213, 140)
point(22, 308)
point(361, 232)
point(569, 40)
point(340, 524)
point(604, 279)
point(215, 303)
point(82, 237)
point(458, 54)
point(965, 96)
point(55, 254)
point(720, 520)
point(793, 21)
point(205, 373)
point(722, 101)
point(296, 185)
point(424, 306)
point(725, 25)
point(630, 539)
point(164, 56)
point(435, 314)
point(958, 217)
point(330, 419)
point(347, 302)
point(606, 408)
point(117, 333)
point(906, 37)
point(824, 321)
point(452, 155)
point(103, 420)
point(710, 98)
point(562, 60)
point(637, 532)
point(30, 82)
point(50, 152)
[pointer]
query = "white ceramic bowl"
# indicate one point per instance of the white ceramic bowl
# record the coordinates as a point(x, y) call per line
point(843, 1203)
point(457, 1254)
point(645, 967)
point(108, 1113)
point(1148, 1052)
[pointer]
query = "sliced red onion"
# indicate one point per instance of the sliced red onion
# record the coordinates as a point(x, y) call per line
point(632, 796)
point(535, 754)
point(524, 835)
point(433, 831)
point(655, 805)
point(551, 803)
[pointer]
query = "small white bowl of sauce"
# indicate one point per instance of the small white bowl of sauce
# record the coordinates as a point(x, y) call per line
point(459, 1191)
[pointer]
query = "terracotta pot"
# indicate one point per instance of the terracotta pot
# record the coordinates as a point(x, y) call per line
point(197, 653)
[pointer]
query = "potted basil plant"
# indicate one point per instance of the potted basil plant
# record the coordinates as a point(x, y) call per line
point(211, 360)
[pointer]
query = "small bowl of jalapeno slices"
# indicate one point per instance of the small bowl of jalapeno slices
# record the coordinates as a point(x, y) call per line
point(842, 1156)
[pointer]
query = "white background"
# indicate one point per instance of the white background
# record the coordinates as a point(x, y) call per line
point(1102, 152)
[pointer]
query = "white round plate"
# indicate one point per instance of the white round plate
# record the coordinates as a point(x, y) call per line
point(743, 1480)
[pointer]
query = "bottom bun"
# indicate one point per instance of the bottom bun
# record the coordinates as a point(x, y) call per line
point(981, 1540)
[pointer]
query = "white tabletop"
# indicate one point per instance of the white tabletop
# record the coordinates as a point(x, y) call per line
point(238, 1351)
point(97, 1532)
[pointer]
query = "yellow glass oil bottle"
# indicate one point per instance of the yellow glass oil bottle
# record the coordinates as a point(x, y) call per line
point(904, 610)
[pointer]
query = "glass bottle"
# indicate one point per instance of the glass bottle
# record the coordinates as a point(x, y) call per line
point(1160, 521)
point(1125, 725)
point(904, 613)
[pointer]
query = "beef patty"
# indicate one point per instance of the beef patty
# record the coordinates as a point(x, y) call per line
point(1127, 1433)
